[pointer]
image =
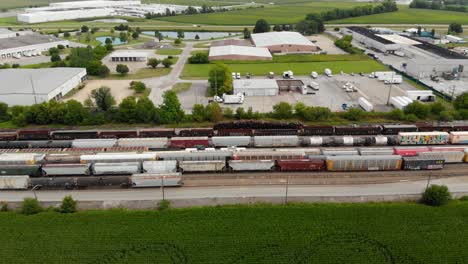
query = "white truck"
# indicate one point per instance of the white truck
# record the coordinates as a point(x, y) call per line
point(328, 72)
point(233, 99)
point(314, 86)
point(366, 105)
point(314, 75)
point(288, 75)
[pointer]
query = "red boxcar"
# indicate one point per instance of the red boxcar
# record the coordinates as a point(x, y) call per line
point(189, 142)
point(196, 132)
point(118, 134)
point(8, 136)
point(33, 134)
point(234, 132)
point(408, 152)
point(275, 132)
point(145, 133)
point(301, 165)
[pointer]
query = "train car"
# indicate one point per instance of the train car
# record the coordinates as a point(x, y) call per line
point(8, 136)
point(61, 159)
point(156, 180)
point(255, 154)
point(375, 151)
point(21, 158)
point(118, 134)
point(357, 130)
point(447, 156)
point(115, 168)
point(103, 182)
point(458, 137)
point(234, 132)
point(94, 143)
point(350, 141)
point(66, 169)
point(409, 151)
point(251, 165)
point(16, 144)
point(466, 155)
point(231, 141)
point(364, 163)
point(202, 166)
point(150, 143)
point(340, 152)
point(395, 129)
point(160, 132)
point(423, 163)
point(31, 170)
point(460, 127)
point(117, 157)
point(318, 131)
point(49, 144)
point(194, 155)
point(68, 183)
point(275, 141)
point(14, 182)
point(318, 141)
point(74, 134)
point(256, 124)
point(380, 141)
point(196, 132)
point(300, 165)
point(160, 166)
point(275, 132)
point(423, 138)
point(423, 127)
point(36, 134)
point(189, 142)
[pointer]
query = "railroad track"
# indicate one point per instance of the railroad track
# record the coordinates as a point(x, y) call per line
point(319, 178)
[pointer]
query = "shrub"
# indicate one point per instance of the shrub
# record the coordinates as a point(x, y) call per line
point(354, 114)
point(198, 58)
point(164, 205)
point(464, 198)
point(68, 205)
point(436, 195)
point(31, 206)
point(138, 87)
point(4, 207)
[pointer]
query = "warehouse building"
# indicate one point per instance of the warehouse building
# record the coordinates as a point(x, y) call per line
point(128, 55)
point(371, 40)
point(31, 86)
point(234, 42)
point(231, 52)
point(284, 42)
point(28, 45)
point(256, 87)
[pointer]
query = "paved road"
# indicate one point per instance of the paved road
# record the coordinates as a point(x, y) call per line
point(456, 184)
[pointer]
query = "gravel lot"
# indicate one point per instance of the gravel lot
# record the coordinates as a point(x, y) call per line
point(326, 44)
point(120, 89)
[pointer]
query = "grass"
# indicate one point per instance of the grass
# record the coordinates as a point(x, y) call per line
point(141, 74)
point(181, 87)
point(323, 233)
point(37, 65)
point(205, 51)
point(168, 51)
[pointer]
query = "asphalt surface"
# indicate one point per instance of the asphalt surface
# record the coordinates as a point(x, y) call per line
point(455, 184)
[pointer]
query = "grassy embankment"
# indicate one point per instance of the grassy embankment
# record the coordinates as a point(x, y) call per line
point(299, 64)
point(328, 233)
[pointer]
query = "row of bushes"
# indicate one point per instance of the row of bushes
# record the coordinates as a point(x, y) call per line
point(439, 5)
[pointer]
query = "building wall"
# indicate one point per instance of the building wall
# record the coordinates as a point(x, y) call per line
point(40, 17)
point(292, 48)
point(66, 87)
point(424, 68)
point(256, 92)
point(127, 59)
point(238, 57)
point(8, 53)
point(375, 44)
point(7, 35)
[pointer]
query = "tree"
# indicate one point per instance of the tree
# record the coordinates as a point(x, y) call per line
point(354, 114)
point(171, 110)
point(433, 32)
point(135, 35)
point(214, 113)
point(75, 113)
point(122, 69)
point(4, 116)
point(277, 28)
point(159, 36)
point(138, 87)
point(31, 206)
point(68, 205)
point(419, 30)
point(198, 113)
point(153, 62)
point(419, 109)
point(103, 98)
point(109, 47)
point(55, 58)
point(436, 195)
point(282, 110)
point(108, 41)
point(199, 58)
point(167, 63)
point(123, 37)
point(66, 34)
point(220, 80)
point(84, 29)
point(246, 33)
point(127, 110)
point(456, 28)
point(177, 42)
point(145, 110)
point(461, 102)
point(197, 37)
point(261, 26)
point(308, 27)
point(180, 34)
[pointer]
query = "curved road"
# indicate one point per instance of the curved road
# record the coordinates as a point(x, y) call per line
point(455, 184)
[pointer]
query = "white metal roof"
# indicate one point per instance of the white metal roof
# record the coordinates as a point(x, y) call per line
point(398, 39)
point(129, 53)
point(255, 84)
point(239, 50)
point(18, 81)
point(280, 38)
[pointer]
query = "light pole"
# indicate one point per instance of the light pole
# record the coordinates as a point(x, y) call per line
point(287, 188)
point(390, 89)
point(162, 188)
point(428, 181)
point(34, 188)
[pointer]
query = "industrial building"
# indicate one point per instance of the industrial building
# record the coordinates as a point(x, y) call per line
point(256, 87)
point(28, 45)
point(234, 42)
point(284, 42)
point(90, 9)
point(128, 55)
point(372, 40)
point(31, 86)
point(5, 33)
point(231, 52)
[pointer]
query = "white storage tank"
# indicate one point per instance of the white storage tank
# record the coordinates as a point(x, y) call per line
point(116, 168)
point(14, 182)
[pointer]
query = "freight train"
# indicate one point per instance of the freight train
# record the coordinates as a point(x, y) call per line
point(238, 128)
point(159, 143)
point(150, 168)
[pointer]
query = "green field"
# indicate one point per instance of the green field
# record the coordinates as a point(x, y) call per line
point(300, 65)
point(329, 233)
point(169, 51)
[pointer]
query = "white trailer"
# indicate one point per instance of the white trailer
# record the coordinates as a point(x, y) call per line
point(366, 105)
point(20, 182)
point(397, 102)
point(421, 95)
point(394, 80)
point(156, 180)
point(160, 166)
point(233, 99)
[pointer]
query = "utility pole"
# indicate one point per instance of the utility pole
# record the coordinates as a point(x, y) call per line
point(33, 90)
point(162, 188)
point(287, 188)
point(390, 89)
point(34, 190)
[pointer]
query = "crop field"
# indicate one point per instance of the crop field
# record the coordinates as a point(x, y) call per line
point(300, 66)
point(293, 234)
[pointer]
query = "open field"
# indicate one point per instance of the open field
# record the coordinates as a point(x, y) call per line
point(168, 51)
point(7, 4)
point(329, 233)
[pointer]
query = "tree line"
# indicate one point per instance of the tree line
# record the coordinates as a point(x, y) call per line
point(458, 6)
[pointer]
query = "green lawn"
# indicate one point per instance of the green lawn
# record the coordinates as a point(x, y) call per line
point(181, 87)
point(169, 51)
point(263, 234)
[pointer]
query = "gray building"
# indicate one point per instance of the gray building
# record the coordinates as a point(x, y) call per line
point(370, 39)
point(31, 86)
point(256, 87)
point(28, 45)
